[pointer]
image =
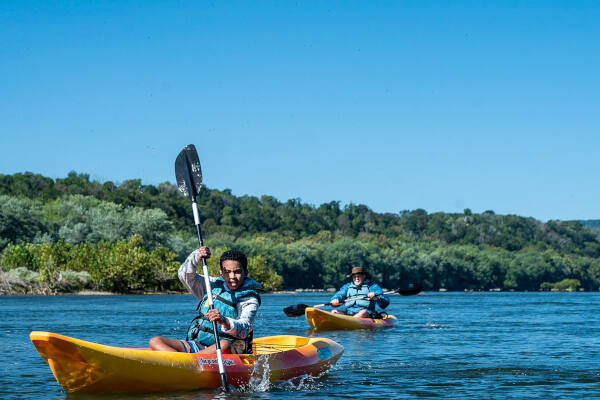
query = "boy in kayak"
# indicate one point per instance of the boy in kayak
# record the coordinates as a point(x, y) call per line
point(367, 296)
point(236, 301)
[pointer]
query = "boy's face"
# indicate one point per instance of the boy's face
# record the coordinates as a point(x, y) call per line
point(233, 274)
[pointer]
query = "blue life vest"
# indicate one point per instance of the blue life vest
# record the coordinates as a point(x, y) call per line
point(359, 291)
point(201, 329)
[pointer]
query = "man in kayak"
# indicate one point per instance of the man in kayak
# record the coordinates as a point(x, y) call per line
point(367, 296)
point(236, 301)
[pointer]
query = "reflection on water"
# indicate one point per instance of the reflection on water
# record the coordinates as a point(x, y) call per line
point(451, 345)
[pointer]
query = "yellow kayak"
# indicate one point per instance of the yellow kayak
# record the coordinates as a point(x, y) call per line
point(326, 321)
point(86, 367)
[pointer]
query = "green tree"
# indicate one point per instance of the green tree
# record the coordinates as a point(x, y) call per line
point(262, 273)
point(20, 220)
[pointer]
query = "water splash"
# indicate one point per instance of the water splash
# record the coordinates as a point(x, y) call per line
point(260, 380)
point(260, 377)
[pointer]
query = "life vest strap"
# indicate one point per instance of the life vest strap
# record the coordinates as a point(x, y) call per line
point(247, 341)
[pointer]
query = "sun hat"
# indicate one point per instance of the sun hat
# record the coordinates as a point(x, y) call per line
point(358, 270)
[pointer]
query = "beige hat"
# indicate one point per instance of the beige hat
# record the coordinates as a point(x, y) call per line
point(358, 270)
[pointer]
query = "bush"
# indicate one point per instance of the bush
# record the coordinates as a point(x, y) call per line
point(24, 275)
point(568, 284)
point(22, 255)
point(71, 281)
point(564, 285)
point(118, 267)
point(127, 266)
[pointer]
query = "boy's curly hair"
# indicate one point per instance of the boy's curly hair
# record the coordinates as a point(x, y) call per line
point(235, 255)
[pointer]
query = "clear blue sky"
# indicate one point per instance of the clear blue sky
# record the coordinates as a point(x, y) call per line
point(440, 105)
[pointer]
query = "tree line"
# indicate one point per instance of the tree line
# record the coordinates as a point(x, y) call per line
point(291, 244)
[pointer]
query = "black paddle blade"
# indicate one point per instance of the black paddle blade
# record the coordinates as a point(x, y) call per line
point(295, 311)
point(411, 290)
point(188, 172)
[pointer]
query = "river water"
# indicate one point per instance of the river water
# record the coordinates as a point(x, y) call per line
point(450, 345)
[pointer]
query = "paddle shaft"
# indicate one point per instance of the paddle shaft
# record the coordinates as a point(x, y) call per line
point(192, 194)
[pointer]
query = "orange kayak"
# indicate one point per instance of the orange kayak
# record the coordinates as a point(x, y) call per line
point(86, 367)
point(326, 321)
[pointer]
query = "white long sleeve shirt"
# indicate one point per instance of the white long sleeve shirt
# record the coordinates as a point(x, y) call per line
point(247, 308)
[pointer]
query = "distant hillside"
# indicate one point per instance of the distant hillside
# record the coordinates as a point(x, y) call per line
point(591, 223)
point(236, 217)
point(305, 245)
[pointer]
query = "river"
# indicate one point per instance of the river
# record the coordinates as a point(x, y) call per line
point(451, 345)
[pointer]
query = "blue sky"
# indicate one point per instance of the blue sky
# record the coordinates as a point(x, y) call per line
point(440, 105)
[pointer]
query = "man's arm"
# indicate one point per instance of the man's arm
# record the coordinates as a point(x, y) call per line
point(382, 300)
point(342, 293)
